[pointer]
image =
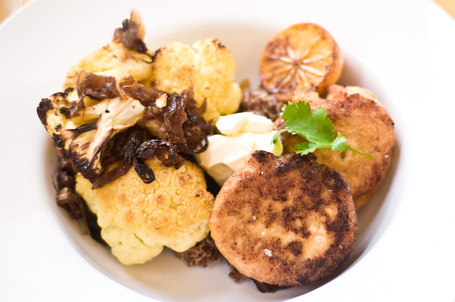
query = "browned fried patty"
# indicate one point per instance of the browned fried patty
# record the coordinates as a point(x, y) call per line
point(368, 128)
point(284, 220)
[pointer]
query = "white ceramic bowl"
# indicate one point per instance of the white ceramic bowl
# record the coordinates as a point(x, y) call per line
point(382, 43)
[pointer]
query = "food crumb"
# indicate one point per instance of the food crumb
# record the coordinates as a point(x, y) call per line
point(235, 275)
point(268, 252)
point(202, 253)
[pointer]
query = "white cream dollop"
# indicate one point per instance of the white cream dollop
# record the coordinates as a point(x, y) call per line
point(242, 134)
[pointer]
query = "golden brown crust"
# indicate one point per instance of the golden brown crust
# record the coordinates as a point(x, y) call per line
point(208, 66)
point(284, 220)
point(138, 219)
point(368, 128)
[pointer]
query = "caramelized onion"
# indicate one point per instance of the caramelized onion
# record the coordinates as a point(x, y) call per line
point(132, 89)
point(96, 86)
point(67, 197)
point(130, 35)
point(120, 153)
point(71, 201)
point(170, 130)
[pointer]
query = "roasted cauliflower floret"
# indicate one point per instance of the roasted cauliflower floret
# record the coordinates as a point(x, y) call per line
point(125, 55)
point(208, 66)
point(82, 125)
point(139, 219)
point(112, 60)
point(85, 124)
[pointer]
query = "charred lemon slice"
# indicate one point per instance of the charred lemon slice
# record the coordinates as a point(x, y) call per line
point(302, 58)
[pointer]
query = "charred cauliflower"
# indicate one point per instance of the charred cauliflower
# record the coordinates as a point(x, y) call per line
point(139, 219)
point(86, 126)
point(108, 92)
point(125, 55)
point(208, 66)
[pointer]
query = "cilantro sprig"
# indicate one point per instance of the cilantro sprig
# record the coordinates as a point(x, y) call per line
point(316, 128)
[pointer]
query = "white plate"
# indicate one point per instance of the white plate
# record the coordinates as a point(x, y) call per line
point(401, 50)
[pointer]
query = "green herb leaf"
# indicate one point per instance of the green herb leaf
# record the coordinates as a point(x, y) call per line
point(315, 127)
